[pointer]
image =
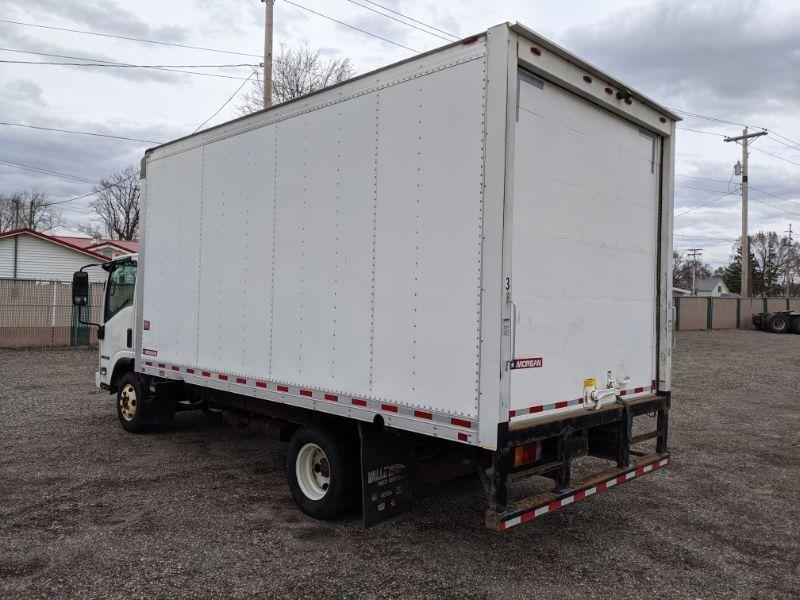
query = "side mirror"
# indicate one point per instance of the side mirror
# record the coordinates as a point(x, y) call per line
point(80, 288)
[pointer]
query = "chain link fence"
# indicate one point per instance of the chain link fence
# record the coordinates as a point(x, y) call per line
point(39, 314)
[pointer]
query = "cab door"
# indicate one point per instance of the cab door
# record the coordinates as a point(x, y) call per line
point(118, 317)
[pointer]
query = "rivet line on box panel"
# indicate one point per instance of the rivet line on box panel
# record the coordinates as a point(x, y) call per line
point(274, 227)
point(374, 241)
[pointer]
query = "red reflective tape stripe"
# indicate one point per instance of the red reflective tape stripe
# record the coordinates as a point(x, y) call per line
point(261, 384)
point(389, 408)
point(461, 422)
point(638, 390)
point(554, 505)
point(307, 393)
point(512, 413)
point(206, 374)
point(149, 363)
point(282, 388)
point(620, 479)
point(580, 495)
point(161, 365)
point(580, 400)
point(223, 377)
point(422, 414)
point(623, 392)
point(640, 471)
point(332, 397)
point(653, 384)
point(528, 516)
point(502, 526)
point(174, 368)
point(190, 371)
point(241, 380)
point(562, 404)
point(358, 402)
point(463, 436)
point(535, 409)
point(601, 486)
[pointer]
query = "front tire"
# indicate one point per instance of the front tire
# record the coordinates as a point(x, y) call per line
point(323, 471)
point(130, 405)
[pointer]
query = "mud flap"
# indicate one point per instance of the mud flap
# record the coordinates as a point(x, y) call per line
point(385, 474)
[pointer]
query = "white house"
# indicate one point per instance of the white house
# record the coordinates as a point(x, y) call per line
point(28, 254)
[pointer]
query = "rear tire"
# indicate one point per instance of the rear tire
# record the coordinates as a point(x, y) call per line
point(795, 324)
point(130, 405)
point(322, 468)
point(778, 324)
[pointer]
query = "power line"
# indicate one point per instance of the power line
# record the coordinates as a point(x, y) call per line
point(698, 131)
point(703, 178)
point(132, 39)
point(703, 204)
point(225, 103)
point(790, 146)
point(103, 135)
point(42, 171)
point(689, 187)
point(791, 162)
point(413, 19)
point(377, 12)
point(700, 237)
point(97, 191)
point(364, 31)
point(129, 66)
point(100, 60)
point(775, 207)
point(785, 138)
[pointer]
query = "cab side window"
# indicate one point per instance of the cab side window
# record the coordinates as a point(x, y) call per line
point(119, 292)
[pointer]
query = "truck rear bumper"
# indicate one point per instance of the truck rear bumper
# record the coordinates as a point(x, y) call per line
point(605, 433)
point(529, 509)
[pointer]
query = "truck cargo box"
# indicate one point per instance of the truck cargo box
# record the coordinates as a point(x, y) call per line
point(475, 236)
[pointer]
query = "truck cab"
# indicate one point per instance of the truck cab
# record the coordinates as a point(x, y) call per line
point(116, 331)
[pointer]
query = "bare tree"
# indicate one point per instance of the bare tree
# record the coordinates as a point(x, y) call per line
point(682, 267)
point(27, 209)
point(116, 206)
point(296, 73)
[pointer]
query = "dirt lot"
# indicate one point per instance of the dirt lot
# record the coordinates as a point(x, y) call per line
point(203, 511)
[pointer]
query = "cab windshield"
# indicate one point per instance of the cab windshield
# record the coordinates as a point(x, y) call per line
point(120, 286)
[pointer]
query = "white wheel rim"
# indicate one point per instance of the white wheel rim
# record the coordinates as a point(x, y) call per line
point(313, 471)
point(127, 402)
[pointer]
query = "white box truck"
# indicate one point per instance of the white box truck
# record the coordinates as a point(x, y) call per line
point(460, 259)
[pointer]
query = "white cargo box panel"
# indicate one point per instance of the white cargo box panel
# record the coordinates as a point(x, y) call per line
point(329, 250)
point(393, 245)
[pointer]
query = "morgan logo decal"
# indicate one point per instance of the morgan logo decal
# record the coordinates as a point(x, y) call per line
point(149, 352)
point(525, 363)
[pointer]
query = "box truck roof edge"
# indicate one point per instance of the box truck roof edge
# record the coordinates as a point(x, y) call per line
point(518, 28)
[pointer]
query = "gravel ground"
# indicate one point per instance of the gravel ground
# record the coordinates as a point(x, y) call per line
point(199, 510)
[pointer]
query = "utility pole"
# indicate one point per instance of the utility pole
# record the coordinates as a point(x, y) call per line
point(744, 292)
point(789, 263)
point(268, 52)
point(694, 253)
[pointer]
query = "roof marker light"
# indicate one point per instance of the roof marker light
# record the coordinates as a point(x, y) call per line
point(536, 51)
point(587, 79)
point(609, 90)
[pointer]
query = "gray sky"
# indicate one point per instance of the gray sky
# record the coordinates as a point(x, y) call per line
point(737, 61)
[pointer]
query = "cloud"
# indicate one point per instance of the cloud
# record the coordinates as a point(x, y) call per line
point(712, 55)
point(105, 17)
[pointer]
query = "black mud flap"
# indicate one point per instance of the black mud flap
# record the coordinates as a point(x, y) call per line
point(385, 474)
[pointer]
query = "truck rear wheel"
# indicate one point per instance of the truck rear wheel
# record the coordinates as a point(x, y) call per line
point(130, 408)
point(323, 471)
point(777, 324)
